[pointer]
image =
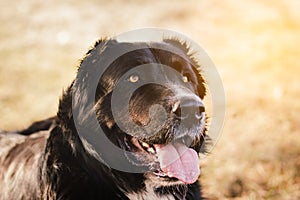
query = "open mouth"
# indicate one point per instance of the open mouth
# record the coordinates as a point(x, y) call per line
point(174, 161)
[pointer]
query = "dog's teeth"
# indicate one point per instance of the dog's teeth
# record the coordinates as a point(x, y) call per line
point(144, 144)
point(151, 150)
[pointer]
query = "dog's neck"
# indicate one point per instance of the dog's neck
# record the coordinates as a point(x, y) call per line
point(154, 191)
point(149, 192)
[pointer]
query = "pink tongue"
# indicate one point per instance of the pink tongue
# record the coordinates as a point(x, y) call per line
point(179, 161)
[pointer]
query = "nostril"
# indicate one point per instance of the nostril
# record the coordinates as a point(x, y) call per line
point(178, 113)
point(188, 108)
point(175, 106)
point(199, 115)
point(176, 109)
point(201, 109)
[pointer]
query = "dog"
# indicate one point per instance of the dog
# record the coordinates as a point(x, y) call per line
point(157, 138)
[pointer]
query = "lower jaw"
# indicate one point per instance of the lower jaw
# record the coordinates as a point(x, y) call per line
point(163, 180)
point(170, 179)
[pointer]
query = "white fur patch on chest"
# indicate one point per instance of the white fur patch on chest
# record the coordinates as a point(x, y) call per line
point(148, 194)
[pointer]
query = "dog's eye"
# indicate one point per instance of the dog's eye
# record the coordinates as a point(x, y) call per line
point(185, 79)
point(134, 78)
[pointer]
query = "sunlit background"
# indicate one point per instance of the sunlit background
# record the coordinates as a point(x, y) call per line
point(254, 44)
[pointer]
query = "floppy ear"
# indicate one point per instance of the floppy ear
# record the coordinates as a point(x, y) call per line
point(182, 45)
point(101, 44)
point(95, 51)
point(93, 63)
point(88, 75)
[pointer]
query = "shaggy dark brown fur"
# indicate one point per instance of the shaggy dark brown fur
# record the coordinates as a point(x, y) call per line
point(52, 160)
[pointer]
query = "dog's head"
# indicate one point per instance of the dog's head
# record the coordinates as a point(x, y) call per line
point(149, 102)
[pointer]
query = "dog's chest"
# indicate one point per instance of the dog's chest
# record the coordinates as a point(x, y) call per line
point(149, 194)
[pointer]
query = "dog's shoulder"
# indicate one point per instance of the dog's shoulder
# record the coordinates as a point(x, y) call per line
point(19, 160)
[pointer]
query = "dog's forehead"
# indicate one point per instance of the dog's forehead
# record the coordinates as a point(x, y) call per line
point(171, 54)
point(173, 51)
point(166, 52)
point(173, 46)
point(148, 52)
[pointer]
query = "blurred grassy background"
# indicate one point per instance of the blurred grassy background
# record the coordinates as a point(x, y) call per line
point(255, 45)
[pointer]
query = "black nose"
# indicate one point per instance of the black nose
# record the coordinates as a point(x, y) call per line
point(189, 109)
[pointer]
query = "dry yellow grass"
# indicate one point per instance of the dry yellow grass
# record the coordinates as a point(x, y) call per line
point(254, 44)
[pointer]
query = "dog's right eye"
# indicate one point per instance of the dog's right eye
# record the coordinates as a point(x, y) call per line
point(133, 78)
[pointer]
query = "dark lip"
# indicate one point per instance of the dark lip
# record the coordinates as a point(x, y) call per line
point(164, 177)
